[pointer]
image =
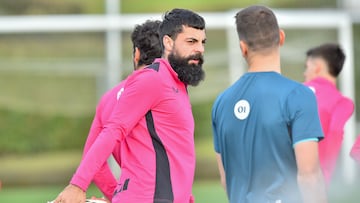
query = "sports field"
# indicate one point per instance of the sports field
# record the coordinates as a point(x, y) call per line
point(204, 192)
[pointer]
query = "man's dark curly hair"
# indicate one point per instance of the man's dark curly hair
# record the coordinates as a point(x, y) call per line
point(174, 20)
point(145, 37)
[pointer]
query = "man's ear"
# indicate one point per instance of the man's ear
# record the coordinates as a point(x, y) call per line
point(243, 48)
point(320, 65)
point(281, 37)
point(168, 43)
point(136, 56)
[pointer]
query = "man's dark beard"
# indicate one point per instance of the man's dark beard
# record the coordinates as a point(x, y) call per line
point(190, 74)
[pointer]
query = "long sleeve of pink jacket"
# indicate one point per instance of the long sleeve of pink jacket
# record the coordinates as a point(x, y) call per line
point(104, 178)
point(117, 127)
point(334, 137)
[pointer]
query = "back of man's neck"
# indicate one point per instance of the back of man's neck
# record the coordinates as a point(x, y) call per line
point(264, 63)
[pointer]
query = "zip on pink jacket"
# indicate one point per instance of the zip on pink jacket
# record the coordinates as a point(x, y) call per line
point(355, 150)
point(334, 111)
point(153, 122)
point(104, 178)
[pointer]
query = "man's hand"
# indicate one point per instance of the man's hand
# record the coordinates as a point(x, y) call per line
point(71, 194)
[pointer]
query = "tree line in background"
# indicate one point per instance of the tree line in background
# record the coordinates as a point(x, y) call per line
point(25, 133)
point(40, 7)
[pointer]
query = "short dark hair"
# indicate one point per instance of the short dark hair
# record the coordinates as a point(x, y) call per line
point(145, 37)
point(332, 54)
point(257, 27)
point(174, 20)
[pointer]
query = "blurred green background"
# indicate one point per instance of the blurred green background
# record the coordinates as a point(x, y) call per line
point(49, 87)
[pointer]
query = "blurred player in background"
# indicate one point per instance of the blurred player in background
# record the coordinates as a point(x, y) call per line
point(153, 122)
point(146, 48)
point(266, 127)
point(323, 65)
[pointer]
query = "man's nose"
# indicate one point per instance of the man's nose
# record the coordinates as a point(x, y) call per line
point(200, 48)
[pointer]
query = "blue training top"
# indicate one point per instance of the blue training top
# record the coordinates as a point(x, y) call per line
point(256, 122)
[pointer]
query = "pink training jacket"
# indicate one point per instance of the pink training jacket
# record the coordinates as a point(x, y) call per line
point(334, 110)
point(355, 150)
point(153, 122)
point(104, 178)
